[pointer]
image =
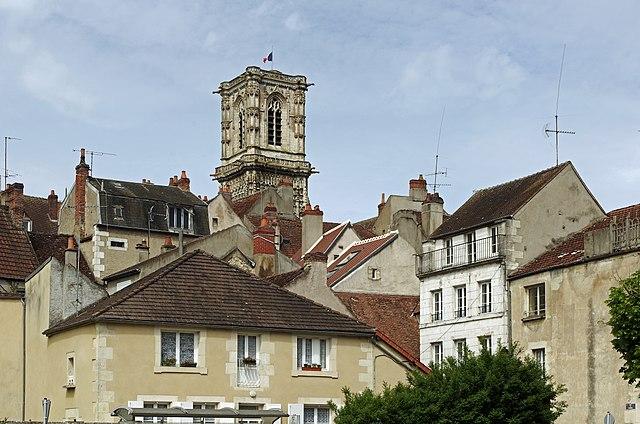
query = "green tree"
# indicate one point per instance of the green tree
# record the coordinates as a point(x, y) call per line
point(624, 308)
point(480, 389)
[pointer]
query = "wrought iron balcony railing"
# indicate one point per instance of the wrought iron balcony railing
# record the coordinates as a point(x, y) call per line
point(248, 375)
point(461, 254)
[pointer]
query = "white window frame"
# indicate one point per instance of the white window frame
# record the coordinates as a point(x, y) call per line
point(495, 232)
point(470, 245)
point(71, 371)
point(373, 273)
point(485, 341)
point(155, 404)
point(438, 305)
point(177, 333)
point(437, 353)
point(173, 213)
point(448, 245)
point(125, 242)
point(203, 405)
point(538, 308)
point(315, 355)
point(540, 356)
point(461, 347)
point(485, 296)
point(461, 301)
point(315, 414)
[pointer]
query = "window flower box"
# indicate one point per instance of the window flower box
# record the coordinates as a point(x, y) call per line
point(311, 367)
point(249, 361)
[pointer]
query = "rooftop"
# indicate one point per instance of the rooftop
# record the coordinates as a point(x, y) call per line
point(17, 257)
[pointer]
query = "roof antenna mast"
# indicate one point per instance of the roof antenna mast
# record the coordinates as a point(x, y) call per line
point(558, 131)
point(436, 172)
point(96, 153)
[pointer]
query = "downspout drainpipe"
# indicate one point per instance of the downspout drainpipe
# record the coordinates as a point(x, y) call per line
point(24, 353)
point(507, 286)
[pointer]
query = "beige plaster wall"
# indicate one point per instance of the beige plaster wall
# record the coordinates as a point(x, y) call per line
point(576, 337)
point(11, 359)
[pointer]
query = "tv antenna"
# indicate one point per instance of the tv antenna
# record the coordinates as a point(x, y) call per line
point(558, 131)
point(436, 172)
point(96, 153)
point(6, 170)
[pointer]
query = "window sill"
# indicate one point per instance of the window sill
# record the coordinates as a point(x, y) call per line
point(323, 374)
point(533, 318)
point(180, 370)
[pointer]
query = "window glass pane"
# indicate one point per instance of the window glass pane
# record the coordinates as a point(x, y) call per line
point(323, 354)
point(171, 216)
point(240, 348)
point(309, 415)
point(187, 349)
point(168, 349)
point(178, 217)
point(323, 415)
point(308, 358)
point(299, 353)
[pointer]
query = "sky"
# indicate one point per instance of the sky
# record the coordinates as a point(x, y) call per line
point(136, 79)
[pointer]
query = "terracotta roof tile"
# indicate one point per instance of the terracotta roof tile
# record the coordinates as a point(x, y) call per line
point(286, 278)
point(328, 239)
point(571, 250)
point(37, 210)
point(242, 206)
point(202, 291)
point(17, 258)
point(355, 255)
point(498, 202)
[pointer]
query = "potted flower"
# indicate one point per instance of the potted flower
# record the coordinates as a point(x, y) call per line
point(188, 363)
point(249, 361)
point(168, 362)
point(311, 367)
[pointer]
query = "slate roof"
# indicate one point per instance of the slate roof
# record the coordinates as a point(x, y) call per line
point(571, 250)
point(37, 210)
point(199, 290)
point(54, 245)
point(390, 314)
point(138, 198)
point(355, 255)
point(495, 203)
point(17, 258)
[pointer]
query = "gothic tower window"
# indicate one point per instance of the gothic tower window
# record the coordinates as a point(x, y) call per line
point(274, 123)
point(241, 122)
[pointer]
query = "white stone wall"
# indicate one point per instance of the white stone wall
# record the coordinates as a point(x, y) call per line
point(475, 324)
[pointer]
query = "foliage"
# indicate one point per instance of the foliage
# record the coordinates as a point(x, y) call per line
point(624, 308)
point(479, 389)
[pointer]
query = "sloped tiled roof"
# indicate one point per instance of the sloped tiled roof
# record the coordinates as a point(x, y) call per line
point(498, 202)
point(37, 209)
point(242, 206)
point(199, 290)
point(54, 245)
point(328, 239)
point(286, 278)
point(571, 250)
point(17, 258)
point(389, 314)
point(355, 255)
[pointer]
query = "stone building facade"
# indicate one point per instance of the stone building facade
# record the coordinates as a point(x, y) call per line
point(263, 133)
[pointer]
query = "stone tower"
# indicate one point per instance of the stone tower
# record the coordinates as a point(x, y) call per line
point(263, 134)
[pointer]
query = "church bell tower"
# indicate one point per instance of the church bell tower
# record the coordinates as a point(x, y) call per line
point(263, 134)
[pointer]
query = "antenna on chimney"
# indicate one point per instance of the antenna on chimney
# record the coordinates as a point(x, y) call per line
point(96, 153)
point(6, 170)
point(557, 131)
point(436, 172)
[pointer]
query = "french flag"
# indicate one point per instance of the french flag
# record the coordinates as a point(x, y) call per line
point(268, 58)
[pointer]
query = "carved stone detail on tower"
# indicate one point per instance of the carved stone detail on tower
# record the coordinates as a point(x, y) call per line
point(259, 149)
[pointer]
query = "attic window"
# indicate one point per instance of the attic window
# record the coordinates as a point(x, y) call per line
point(179, 218)
point(27, 224)
point(118, 212)
point(214, 223)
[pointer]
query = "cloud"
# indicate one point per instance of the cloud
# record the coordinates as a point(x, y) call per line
point(449, 71)
point(50, 81)
point(294, 22)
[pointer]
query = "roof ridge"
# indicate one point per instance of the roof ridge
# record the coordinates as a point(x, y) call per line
point(618, 210)
point(372, 239)
point(562, 165)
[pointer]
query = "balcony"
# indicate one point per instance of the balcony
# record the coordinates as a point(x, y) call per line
point(459, 255)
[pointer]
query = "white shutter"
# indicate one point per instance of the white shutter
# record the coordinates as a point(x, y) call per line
point(296, 412)
point(136, 404)
point(226, 420)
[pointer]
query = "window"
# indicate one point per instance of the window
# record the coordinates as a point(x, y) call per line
point(249, 407)
point(179, 218)
point(485, 343)
point(448, 243)
point(312, 354)
point(27, 224)
point(178, 349)
point(71, 371)
point(536, 297)
point(436, 353)
point(316, 415)
point(118, 212)
point(461, 348)
point(485, 297)
point(214, 224)
point(204, 405)
point(114, 243)
point(159, 405)
point(274, 123)
point(470, 238)
point(117, 243)
point(437, 305)
point(461, 302)
point(248, 375)
point(540, 356)
point(335, 257)
point(241, 127)
point(374, 273)
point(494, 239)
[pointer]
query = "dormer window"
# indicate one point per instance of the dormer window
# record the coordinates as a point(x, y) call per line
point(274, 123)
point(179, 218)
point(27, 224)
point(118, 212)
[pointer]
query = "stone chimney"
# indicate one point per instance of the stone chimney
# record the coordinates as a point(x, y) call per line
point(53, 206)
point(432, 213)
point(285, 191)
point(71, 253)
point(381, 204)
point(184, 183)
point(143, 250)
point(311, 226)
point(418, 189)
point(264, 249)
point(167, 245)
point(15, 201)
point(80, 199)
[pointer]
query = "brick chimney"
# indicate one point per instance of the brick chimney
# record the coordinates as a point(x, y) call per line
point(167, 245)
point(418, 189)
point(80, 199)
point(264, 248)
point(431, 213)
point(15, 201)
point(143, 250)
point(381, 204)
point(184, 183)
point(311, 226)
point(53, 206)
point(225, 190)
